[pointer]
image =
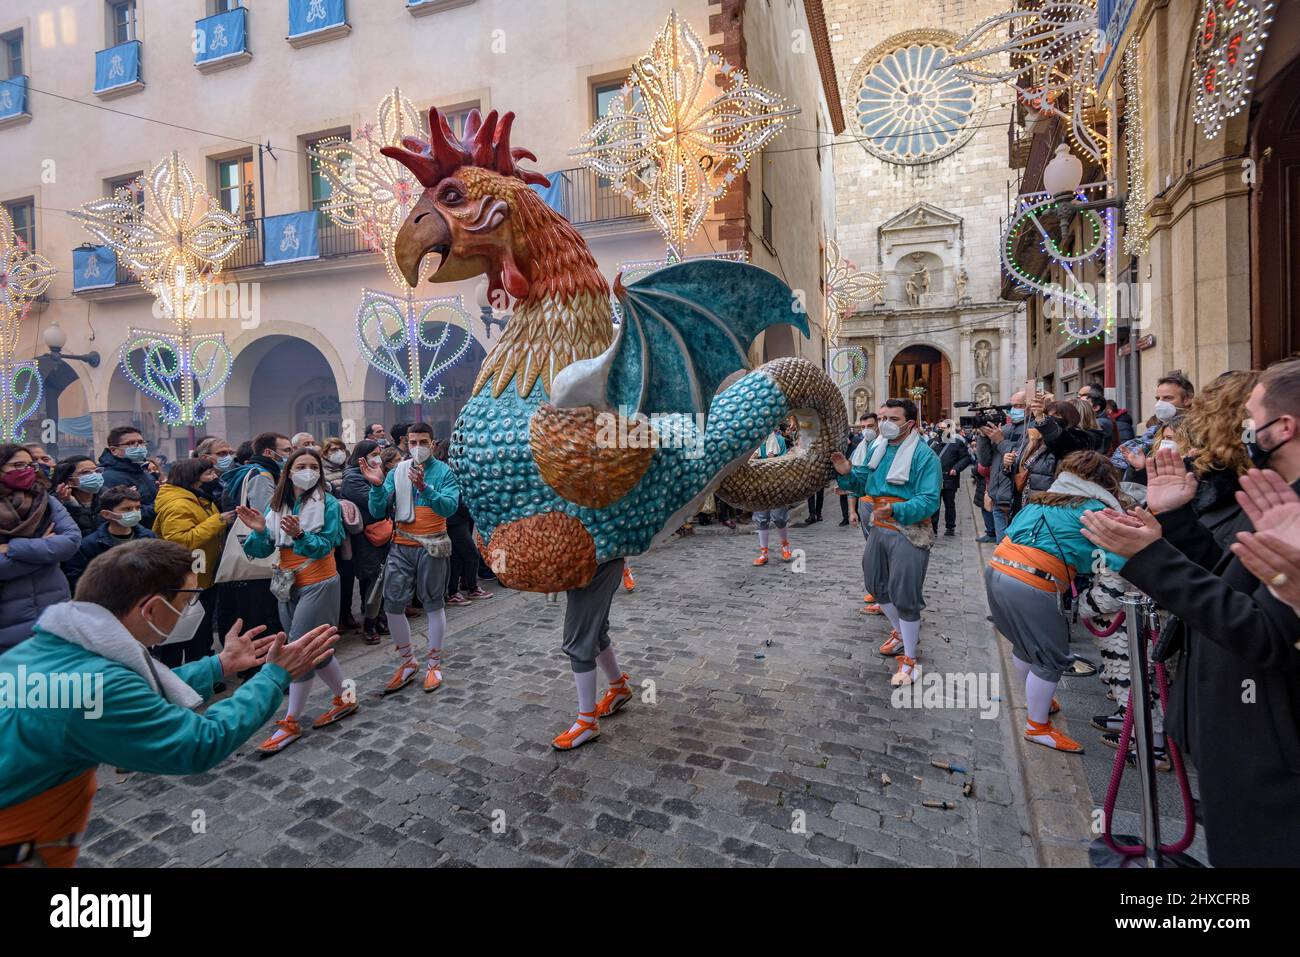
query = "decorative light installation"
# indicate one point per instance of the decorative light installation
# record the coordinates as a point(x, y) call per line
point(24, 276)
point(1137, 228)
point(174, 242)
point(1230, 37)
point(1053, 56)
point(670, 143)
point(846, 288)
point(849, 366)
point(1085, 318)
point(373, 195)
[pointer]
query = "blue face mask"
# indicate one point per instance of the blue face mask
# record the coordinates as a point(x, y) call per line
point(224, 462)
point(137, 453)
point(91, 482)
point(1017, 415)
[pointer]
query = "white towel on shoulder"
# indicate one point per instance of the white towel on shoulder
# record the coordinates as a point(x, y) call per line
point(310, 519)
point(403, 492)
point(901, 468)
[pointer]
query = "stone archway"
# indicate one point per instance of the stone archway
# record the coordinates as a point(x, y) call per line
point(457, 385)
point(923, 367)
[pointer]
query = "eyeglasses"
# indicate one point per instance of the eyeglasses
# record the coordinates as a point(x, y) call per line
point(195, 592)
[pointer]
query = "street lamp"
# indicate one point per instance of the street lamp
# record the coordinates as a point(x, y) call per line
point(487, 313)
point(58, 375)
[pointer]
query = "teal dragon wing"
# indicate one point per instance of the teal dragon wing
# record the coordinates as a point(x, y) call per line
point(687, 327)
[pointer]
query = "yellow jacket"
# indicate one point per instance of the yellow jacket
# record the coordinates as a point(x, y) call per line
point(188, 520)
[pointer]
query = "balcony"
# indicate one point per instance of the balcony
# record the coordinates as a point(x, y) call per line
point(315, 21)
point(118, 70)
point(221, 42)
point(13, 102)
point(586, 199)
point(422, 8)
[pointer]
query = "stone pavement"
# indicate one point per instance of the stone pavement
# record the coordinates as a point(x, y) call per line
point(737, 752)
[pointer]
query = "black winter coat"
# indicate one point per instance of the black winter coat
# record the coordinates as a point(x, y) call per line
point(367, 559)
point(1235, 704)
point(125, 472)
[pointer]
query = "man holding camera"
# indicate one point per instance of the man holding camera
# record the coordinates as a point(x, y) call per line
point(998, 450)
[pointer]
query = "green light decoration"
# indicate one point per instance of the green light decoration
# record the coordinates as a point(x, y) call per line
point(24, 276)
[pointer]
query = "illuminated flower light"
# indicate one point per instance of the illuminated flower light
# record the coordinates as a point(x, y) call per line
point(673, 145)
point(373, 195)
point(846, 289)
point(24, 276)
point(174, 242)
point(1053, 54)
point(1230, 37)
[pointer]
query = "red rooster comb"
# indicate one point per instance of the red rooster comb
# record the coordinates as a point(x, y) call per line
point(486, 145)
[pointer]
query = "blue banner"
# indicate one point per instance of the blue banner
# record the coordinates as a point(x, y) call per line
point(94, 268)
point(308, 16)
point(291, 238)
point(555, 195)
point(78, 426)
point(13, 97)
point(117, 66)
point(221, 36)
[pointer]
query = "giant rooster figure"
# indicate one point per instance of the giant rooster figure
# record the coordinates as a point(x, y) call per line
point(556, 503)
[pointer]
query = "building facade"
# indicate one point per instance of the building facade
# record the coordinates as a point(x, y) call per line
point(922, 184)
point(100, 92)
point(1215, 285)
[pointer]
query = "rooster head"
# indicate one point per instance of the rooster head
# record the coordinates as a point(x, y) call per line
point(475, 207)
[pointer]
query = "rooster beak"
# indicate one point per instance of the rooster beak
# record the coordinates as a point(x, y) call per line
point(424, 231)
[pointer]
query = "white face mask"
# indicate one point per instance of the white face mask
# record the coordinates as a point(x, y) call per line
point(304, 479)
point(869, 435)
point(1165, 411)
point(336, 458)
point(375, 461)
point(890, 429)
point(421, 453)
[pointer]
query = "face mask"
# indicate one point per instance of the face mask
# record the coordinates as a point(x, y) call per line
point(375, 461)
point(869, 435)
point(128, 519)
point(21, 480)
point(304, 479)
point(137, 453)
point(336, 458)
point(1260, 456)
point(889, 430)
point(421, 453)
point(1017, 415)
point(46, 470)
point(1165, 411)
point(224, 462)
point(91, 482)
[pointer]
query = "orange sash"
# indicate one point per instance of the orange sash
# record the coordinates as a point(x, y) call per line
point(876, 520)
point(426, 522)
point(58, 815)
point(1037, 558)
point(307, 571)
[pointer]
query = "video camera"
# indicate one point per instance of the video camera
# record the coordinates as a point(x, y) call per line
point(978, 418)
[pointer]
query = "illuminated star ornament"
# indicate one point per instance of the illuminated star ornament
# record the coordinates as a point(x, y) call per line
point(846, 289)
point(1049, 56)
point(672, 142)
point(24, 276)
point(411, 341)
point(174, 242)
point(1230, 37)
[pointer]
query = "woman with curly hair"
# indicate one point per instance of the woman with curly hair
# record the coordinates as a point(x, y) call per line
point(1210, 436)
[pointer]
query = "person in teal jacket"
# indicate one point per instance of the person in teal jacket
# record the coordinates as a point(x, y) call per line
point(85, 691)
point(902, 476)
point(420, 494)
point(305, 523)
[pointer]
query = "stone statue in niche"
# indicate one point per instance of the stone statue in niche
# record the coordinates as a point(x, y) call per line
point(861, 403)
point(983, 359)
point(963, 281)
point(983, 396)
point(918, 283)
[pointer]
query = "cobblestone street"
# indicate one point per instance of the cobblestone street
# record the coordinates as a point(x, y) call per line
point(737, 752)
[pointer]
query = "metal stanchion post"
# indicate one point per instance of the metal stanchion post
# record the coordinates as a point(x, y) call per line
point(1137, 611)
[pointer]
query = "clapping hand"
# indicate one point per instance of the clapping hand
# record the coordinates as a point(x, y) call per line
point(243, 650)
point(1169, 484)
point(842, 465)
point(1123, 534)
point(291, 526)
point(1270, 504)
point(417, 475)
point(254, 519)
point(303, 656)
point(374, 473)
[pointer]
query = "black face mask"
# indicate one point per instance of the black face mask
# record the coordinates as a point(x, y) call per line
point(1260, 456)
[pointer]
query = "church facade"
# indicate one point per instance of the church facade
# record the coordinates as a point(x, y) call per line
point(921, 197)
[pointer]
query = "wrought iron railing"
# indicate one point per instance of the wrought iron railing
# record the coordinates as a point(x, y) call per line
point(585, 198)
